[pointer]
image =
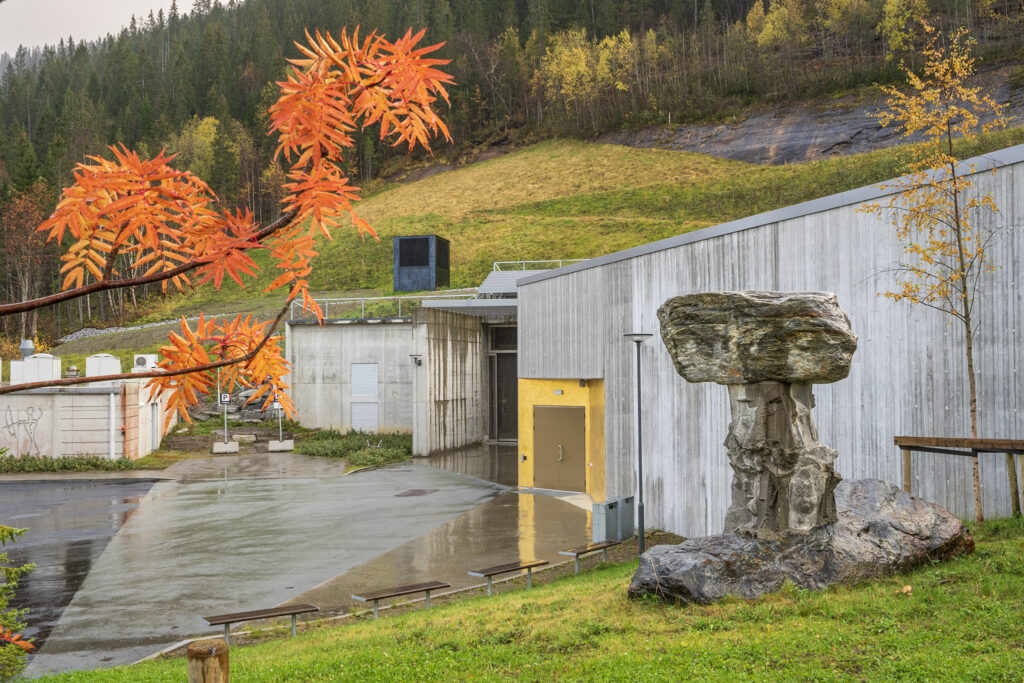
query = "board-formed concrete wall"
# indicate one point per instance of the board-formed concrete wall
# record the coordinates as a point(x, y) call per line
point(908, 376)
point(451, 401)
point(322, 359)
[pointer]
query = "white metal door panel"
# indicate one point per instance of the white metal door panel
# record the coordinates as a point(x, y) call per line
point(364, 379)
point(364, 417)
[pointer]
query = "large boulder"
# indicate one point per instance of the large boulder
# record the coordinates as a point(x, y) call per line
point(748, 337)
point(880, 531)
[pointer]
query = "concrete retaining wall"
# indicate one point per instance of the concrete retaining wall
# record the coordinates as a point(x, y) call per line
point(451, 403)
point(322, 359)
point(74, 421)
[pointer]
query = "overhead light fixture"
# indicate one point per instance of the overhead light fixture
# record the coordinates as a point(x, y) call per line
point(417, 359)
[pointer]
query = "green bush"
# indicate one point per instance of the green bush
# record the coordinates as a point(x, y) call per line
point(77, 463)
point(368, 449)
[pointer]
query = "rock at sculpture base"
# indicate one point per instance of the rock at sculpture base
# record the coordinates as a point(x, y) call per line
point(880, 531)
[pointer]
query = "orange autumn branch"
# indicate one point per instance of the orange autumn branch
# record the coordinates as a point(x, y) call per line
point(130, 221)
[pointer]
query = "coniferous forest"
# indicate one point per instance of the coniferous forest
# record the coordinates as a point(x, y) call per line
point(199, 82)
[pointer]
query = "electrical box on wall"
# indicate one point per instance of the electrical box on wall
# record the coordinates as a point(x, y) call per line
point(421, 262)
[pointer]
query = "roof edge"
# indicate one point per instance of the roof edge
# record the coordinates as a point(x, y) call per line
point(982, 163)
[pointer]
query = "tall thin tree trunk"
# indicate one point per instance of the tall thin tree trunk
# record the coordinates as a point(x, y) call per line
point(965, 304)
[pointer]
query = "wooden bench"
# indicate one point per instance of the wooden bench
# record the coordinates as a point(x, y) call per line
point(491, 572)
point(397, 591)
point(577, 553)
point(966, 447)
point(236, 617)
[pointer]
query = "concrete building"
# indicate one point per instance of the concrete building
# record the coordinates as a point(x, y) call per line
point(447, 373)
point(577, 412)
point(121, 419)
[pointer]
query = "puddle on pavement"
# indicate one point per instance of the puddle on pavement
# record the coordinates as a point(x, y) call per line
point(70, 523)
point(511, 527)
point(488, 461)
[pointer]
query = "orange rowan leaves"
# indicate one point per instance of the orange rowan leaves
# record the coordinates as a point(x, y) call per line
point(144, 216)
point(11, 638)
point(249, 354)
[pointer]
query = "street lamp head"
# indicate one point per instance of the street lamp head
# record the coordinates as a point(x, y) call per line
point(637, 337)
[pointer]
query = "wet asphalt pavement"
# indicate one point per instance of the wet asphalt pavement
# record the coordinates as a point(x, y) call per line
point(128, 567)
point(70, 524)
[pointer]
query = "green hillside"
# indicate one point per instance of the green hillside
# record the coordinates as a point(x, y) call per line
point(555, 200)
point(571, 199)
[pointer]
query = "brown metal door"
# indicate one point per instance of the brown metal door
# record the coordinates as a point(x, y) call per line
point(560, 448)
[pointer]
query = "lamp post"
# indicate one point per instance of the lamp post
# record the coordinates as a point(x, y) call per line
point(638, 339)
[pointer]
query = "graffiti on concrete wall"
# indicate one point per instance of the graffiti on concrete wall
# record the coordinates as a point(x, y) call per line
point(26, 421)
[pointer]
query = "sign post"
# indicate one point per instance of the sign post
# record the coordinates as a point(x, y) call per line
point(225, 399)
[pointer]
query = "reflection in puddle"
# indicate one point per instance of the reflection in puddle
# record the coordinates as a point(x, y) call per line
point(487, 461)
point(69, 524)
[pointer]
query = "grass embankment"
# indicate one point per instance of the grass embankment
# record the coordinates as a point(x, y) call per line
point(560, 199)
point(960, 621)
point(358, 449)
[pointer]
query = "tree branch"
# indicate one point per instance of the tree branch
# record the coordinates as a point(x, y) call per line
point(70, 381)
point(103, 285)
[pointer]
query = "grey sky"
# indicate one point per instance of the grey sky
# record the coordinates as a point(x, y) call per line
point(38, 22)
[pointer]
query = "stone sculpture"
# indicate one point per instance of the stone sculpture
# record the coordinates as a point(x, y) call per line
point(768, 348)
point(791, 518)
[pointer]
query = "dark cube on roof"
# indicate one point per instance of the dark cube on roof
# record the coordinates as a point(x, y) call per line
point(421, 263)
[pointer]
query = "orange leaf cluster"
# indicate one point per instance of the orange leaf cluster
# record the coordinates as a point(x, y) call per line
point(153, 216)
point(230, 340)
point(338, 87)
point(159, 224)
point(11, 638)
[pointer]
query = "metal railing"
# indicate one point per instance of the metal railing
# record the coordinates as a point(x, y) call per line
point(521, 265)
point(298, 313)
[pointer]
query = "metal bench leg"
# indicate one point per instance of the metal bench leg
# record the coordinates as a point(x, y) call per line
point(227, 634)
point(577, 560)
point(293, 626)
point(428, 599)
point(529, 577)
point(604, 554)
point(375, 603)
point(488, 586)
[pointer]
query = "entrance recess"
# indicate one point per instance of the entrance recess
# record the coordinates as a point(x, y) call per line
point(504, 384)
point(560, 447)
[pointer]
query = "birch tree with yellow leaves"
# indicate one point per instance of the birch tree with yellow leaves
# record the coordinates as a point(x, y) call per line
point(942, 224)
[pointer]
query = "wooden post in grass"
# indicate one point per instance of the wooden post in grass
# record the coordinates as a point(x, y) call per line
point(1011, 473)
point(208, 661)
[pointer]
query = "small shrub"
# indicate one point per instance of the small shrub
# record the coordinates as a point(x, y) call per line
point(361, 449)
point(369, 457)
point(77, 463)
point(1017, 78)
point(12, 654)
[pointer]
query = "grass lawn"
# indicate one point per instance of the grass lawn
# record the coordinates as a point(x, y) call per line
point(961, 621)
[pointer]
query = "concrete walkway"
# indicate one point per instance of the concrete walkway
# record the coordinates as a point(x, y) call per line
point(514, 526)
point(242, 533)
